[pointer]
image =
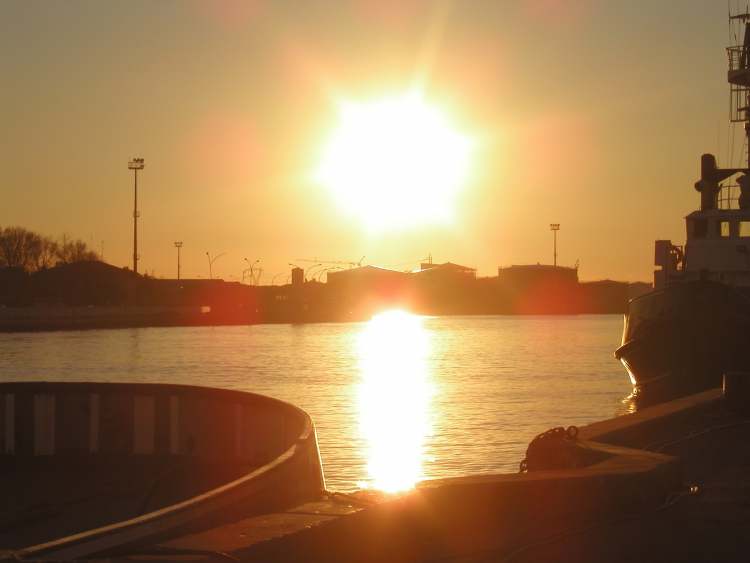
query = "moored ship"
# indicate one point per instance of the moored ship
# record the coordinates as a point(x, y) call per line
point(695, 325)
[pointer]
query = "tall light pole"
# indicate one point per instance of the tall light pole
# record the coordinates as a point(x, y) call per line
point(211, 263)
point(252, 273)
point(178, 245)
point(554, 227)
point(135, 165)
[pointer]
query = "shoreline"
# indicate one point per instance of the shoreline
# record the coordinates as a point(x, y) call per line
point(60, 319)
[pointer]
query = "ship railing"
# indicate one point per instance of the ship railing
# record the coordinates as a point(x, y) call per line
point(739, 57)
point(729, 196)
point(738, 102)
point(739, 83)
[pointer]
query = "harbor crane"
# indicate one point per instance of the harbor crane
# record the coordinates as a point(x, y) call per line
point(333, 262)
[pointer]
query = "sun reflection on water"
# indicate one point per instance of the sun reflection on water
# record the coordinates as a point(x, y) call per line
point(394, 398)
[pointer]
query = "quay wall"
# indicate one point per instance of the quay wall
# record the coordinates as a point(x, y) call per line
point(490, 517)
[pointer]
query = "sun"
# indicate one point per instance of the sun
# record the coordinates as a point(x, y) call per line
point(395, 163)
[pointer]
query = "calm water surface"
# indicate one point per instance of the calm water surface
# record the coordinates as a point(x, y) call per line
point(395, 400)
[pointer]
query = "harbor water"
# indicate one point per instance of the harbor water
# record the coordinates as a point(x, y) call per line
point(397, 399)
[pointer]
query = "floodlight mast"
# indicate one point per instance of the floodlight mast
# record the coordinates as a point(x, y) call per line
point(554, 227)
point(178, 245)
point(135, 165)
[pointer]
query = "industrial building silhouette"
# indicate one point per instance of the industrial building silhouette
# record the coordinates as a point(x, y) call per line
point(95, 294)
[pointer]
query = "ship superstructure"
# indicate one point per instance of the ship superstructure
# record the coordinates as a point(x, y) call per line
point(718, 234)
point(695, 325)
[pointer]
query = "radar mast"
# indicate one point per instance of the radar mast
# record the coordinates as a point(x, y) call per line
point(738, 77)
point(738, 74)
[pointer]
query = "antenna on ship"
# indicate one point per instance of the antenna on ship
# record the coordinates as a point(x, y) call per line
point(738, 77)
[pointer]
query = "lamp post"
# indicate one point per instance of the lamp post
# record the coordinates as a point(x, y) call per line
point(252, 273)
point(211, 263)
point(310, 271)
point(554, 227)
point(135, 165)
point(178, 246)
point(325, 270)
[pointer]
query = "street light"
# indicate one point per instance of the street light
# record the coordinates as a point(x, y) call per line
point(323, 271)
point(310, 271)
point(135, 165)
point(252, 273)
point(554, 227)
point(211, 263)
point(178, 245)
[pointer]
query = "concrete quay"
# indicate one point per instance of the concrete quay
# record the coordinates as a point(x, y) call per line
point(668, 483)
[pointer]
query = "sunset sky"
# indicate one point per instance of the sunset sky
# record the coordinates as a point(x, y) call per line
point(591, 114)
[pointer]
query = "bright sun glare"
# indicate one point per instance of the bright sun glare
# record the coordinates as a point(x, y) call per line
point(395, 163)
point(394, 398)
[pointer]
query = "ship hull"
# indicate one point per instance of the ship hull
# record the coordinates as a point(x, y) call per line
point(89, 469)
point(683, 338)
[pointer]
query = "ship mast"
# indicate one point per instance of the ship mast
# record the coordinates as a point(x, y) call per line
point(738, 77)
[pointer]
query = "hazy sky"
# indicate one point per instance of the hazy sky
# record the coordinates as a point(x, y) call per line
point(592, 114)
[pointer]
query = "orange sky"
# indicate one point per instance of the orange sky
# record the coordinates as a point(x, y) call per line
point(588, 113)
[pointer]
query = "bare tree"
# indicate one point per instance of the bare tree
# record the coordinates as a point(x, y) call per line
point(21, 248)
point(78, 251)
point(48, 254)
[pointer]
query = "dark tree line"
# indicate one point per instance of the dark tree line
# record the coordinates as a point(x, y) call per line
point(21, 248)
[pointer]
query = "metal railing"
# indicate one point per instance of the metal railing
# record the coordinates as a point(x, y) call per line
point(729, 195)
point(738, 56)
point(739, 82)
